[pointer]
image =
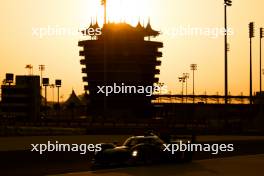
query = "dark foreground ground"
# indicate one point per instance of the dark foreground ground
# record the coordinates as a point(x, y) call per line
point(31, 163)
point(232, 166)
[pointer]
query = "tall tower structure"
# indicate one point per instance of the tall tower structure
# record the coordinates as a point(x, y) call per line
point(122, 56)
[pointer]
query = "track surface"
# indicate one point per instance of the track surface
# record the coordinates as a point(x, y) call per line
point(233, 166)
point(29, 163)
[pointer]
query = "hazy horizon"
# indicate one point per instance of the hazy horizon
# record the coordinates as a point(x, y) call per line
point(60, 54)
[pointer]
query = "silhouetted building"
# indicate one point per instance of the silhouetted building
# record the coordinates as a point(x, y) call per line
point(120, 55)
point(22, 100)
point(73, 107)
point(73, 100)
point(259, 98)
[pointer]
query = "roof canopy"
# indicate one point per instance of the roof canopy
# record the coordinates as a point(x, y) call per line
point(124, 27)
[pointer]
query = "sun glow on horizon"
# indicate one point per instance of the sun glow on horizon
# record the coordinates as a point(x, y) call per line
point(123, 11)
point(128, 11)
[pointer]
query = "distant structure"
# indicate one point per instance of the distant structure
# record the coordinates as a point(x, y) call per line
point(74, 107)
point(120, 55)
point(21, 100)
point(73, 101)
point(259, 98)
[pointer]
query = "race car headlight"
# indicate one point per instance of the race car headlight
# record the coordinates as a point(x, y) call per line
point(134, 153)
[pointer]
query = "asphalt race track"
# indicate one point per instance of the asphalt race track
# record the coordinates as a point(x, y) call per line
point(233, 166)
point(29, 163)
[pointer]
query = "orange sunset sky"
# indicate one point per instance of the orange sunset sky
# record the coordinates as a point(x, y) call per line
point(60, 54)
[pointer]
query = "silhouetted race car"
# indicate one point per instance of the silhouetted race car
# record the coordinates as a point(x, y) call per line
point(140, 150)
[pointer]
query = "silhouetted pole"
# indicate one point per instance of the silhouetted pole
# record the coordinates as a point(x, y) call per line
point(262, 72)
point(251, 35)
point(30, 69)
point(193, 68)
point(45, 82)
point(260, 61)
point(160, 89)
point(41, 69)
point(45, 96)
point(58, 101)
point(52, 86)
point(226, 3)
point(58, 85)
point(103, 2)
point(182, 80)
point(186, 77)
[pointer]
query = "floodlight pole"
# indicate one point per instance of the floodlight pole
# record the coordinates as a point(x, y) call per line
point(251, 35)
point(260, 60)
point(41, 69)
point(250, 70)
point(45, 83)
point(182, 80)
point(226, 67)
point(186, 77)
point(193, 68)
point(58, 85)
point(104, 2)
point(45, 96)
point(105, 12)
point(262, 72)
point(226, 3)
point(58, 101)
point(52, 86)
